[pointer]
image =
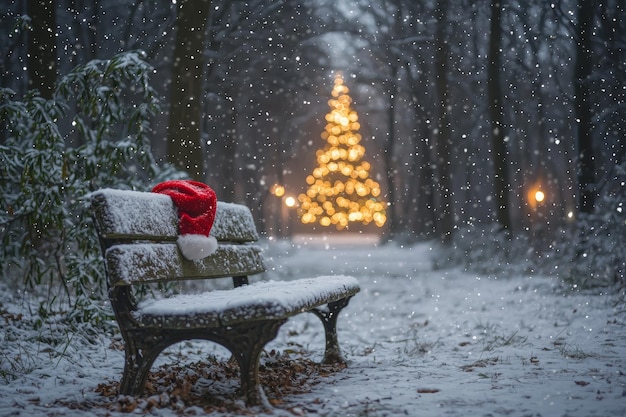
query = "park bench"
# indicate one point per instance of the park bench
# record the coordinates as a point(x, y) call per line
point(138, 232)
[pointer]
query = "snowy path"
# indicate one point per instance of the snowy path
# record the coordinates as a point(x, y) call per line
point(434, 343)
point(419, 342)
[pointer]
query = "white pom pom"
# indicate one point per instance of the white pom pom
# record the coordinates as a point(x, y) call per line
point(195, 247)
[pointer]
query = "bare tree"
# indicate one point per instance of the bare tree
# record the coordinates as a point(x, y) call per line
point(42, 59)
point(414, 45)
point(443, 134)
point(496, 113)
point(610, 120)
point(184, 134)
point(394, 219)
point(582, 106)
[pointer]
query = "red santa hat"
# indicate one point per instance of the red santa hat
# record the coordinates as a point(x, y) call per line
point(196, 203)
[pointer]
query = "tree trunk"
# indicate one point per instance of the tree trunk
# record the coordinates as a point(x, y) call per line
point(445, 224)
point(184, 146)
point(496, 113)
point(582, 108)
point(42, 59)
point(426, 192)
point(388, 154)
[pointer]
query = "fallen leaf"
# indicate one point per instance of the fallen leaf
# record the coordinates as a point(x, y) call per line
point(428, 390)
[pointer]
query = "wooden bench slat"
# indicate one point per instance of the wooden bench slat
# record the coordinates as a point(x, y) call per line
point(147, 262)
point(134, 215)
point(258, 301)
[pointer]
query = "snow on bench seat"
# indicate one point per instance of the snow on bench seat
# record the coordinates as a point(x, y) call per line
point(262, 300)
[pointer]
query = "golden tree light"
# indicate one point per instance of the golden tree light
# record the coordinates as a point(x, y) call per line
point(277, 190)
point(340, 190)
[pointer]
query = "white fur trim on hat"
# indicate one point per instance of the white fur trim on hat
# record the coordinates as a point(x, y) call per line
point(195, 247)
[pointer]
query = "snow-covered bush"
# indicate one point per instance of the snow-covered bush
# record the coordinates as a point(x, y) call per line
point(493, 251)
point(586, 254)
point(91, 134)
point(593, 254)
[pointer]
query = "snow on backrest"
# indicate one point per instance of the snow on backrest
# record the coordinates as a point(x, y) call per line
point(150, 262)
point(234, 222)
point(135, 215)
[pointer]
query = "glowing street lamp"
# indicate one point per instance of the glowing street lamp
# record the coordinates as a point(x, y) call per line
point(290, 202)
point(536, 196)
point(537, 199)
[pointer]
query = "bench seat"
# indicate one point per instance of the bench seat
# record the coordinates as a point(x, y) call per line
point(257, 301)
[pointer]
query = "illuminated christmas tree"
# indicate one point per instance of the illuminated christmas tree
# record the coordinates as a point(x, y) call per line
point(340, 189)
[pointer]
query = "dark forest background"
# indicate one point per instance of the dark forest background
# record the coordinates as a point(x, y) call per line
point(466, 107)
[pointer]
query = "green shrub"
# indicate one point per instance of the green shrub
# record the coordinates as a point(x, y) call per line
point(92, 134)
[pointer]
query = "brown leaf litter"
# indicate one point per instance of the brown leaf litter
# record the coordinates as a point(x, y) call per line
point(213, 385)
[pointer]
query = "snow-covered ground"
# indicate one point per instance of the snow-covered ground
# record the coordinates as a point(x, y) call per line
point(419, 342)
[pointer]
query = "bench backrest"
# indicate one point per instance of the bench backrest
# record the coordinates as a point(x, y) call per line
point(138, 232)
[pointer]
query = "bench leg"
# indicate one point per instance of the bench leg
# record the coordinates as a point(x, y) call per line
point(329, 315)
point(246, 342)
point(137, 364)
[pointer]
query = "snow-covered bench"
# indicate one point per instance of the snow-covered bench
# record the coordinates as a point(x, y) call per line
point(138, 233)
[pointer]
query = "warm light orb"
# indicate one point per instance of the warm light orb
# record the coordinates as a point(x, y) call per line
point(539, 196)
point(290, 201)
